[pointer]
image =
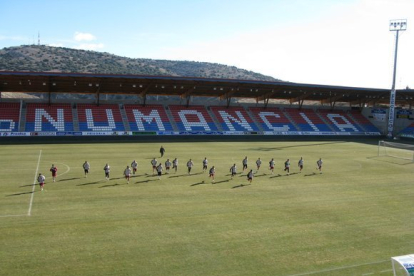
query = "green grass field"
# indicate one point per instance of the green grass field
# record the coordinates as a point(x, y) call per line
point(349, 220)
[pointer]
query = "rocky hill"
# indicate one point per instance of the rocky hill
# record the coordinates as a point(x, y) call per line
point(42, 58)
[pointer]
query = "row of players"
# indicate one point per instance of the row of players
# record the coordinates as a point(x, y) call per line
point(157, 168)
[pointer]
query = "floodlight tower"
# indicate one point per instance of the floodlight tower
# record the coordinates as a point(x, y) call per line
point(395, 26)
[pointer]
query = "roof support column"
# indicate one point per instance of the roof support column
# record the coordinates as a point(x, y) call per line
point(266, 102)
point(187, 96)
point(266, 97)
point(143, 94)
point(332, 104)
point(227, 96)
point(49, 100)
point(97, 96)
point(228, 100)
point(300, 100)
point(301, 103)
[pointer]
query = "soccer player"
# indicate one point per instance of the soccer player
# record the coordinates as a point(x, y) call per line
point(258, 163)
point(86, 168)
point(212, 173)
point(127, 174)
point(319, 163)
point(107, 170)
point(233, 170)
point(190, 164)
point(175, 164)
point(287, 166)
point(54, 169)
point(250, 176)
point(162, 150)
point(134, 166)
point(154, 165)
point(167, 166)
point(272, 165)
point(41, 179)
point(300, 164)
point(244, 162)
point(159, 170)
point(205, 163)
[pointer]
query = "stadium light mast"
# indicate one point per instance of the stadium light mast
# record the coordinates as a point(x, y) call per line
point(395, 26)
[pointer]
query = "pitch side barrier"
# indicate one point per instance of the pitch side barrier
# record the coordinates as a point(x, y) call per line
point(148, 138)
point(163, 137)
point(180, 133)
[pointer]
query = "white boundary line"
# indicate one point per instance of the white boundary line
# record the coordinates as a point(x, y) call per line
point(29, 212)
point(68, 170)
point(337, 268)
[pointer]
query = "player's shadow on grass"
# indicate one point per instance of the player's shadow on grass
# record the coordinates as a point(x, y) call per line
point(174, 176)
point(146, 181)
point(113, 185)
point(295, 146)
point(29, 185)
point(26, 193)
point(311, 174)
point(91, 183)
point(241, 186)
point(240, 174)
point(198, 183)
point(277, 175)
point(114, 178)
point(68, 179)
point(222, 181)
point(294, 173)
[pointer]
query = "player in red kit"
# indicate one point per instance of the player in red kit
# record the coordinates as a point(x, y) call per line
point(54, 170)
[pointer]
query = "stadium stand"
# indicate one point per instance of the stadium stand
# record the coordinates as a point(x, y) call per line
point(409, 130)
point(234, 119)
point(307, 120)
point(100, 118)
point(147, 118)
point(363, 121)
point(44, 117)
point(339, 121)
point(193, 118)
point(272, 119)
point(9, 116)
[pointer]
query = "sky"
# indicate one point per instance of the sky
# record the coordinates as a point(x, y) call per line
point(328, 42)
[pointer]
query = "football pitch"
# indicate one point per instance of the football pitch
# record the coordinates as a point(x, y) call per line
point(348, 220)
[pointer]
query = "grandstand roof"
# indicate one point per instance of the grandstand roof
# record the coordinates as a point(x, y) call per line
point(82, 83)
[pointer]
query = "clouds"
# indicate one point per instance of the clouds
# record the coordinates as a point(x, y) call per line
point(78, 36)
point(87, 37)
point(81, 41)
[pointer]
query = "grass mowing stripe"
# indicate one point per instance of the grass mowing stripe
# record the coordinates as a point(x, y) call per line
point(29, 212)
point(338, 268)
point(7, 216)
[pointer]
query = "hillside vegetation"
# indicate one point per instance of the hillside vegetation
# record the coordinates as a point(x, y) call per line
point(42, 58)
